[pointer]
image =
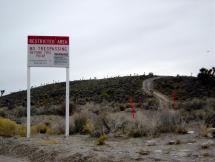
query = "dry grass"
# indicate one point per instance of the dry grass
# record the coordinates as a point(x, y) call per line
point(171, 122)
point(10, 128)
point(88, 127)
point(41, 128)
point(101, 140)
point(143, 127)
point(198, 110)
point(51, 141)
point(148, 123)
point(80, 120)
point(21, 130)
point(7, 127)
point(203, 130)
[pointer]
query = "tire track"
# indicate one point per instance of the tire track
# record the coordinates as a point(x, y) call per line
point(148, 88)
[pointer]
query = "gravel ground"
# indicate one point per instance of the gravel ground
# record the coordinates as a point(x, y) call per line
point(9, 159)
point(82, 148)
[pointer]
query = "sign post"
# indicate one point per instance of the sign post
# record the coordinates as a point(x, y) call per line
point(48, 51)
point(67, 103)
point(28, 102)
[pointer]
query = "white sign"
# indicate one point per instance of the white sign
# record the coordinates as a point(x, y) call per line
point(48, 51)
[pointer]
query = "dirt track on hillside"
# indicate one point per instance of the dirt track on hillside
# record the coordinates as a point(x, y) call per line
point(148, 88)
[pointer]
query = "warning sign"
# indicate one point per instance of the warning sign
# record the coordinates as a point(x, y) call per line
point(48, 51)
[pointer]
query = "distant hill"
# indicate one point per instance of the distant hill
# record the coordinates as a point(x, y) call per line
point(117, 89)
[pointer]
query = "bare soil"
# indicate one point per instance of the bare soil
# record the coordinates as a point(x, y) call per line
point(9, 159)
point(168, 147)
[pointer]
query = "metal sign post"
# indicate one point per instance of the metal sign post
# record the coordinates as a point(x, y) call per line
point(67, 103)
point(47, 51)
point(28, 102)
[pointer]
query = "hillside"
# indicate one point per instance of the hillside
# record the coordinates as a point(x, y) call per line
point(113, 94)
point(50, 99)
point(112, 90)
point(185, 88)
point(101, 120)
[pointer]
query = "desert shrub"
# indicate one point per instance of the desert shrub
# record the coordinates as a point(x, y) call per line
point(210, 115)
point(210, 120)
point(7, 127)
point(80, 120)
point(119, 123)
point(3, 113)
point(197, 109)
point(98, 128)
point(158, 122)
point(59, 127)
point(60, 110)
point(88, 127)
point(144, 125)
point(37, 110)
point(142, 128)
point(21, 130)
point(101, 140)
point(20, 111)
point(194, 104)
point(41, 128)
point(101, 125)
point(170, 122)
point(203, 130)
point(122, 107)
point(104, 94)
point(211, 103)
point(190, 116)
point(181, 129)
point(138, 130)
point(151, 103)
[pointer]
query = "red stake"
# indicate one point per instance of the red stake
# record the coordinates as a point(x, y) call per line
point(174, 100)
point(132, 107)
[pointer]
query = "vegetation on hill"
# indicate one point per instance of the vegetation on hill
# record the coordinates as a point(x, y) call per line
point(50, 99)
point(116, 89)
point(100, 107)
point(186, 88)
point(207, 76)
point(194, 95)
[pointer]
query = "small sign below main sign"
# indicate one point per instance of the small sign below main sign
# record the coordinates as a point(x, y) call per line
point(48, 51)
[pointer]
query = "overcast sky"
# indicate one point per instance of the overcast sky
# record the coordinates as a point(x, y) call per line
point(108, 37)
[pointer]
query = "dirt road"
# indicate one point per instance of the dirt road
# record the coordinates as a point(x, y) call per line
point(148, 88)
